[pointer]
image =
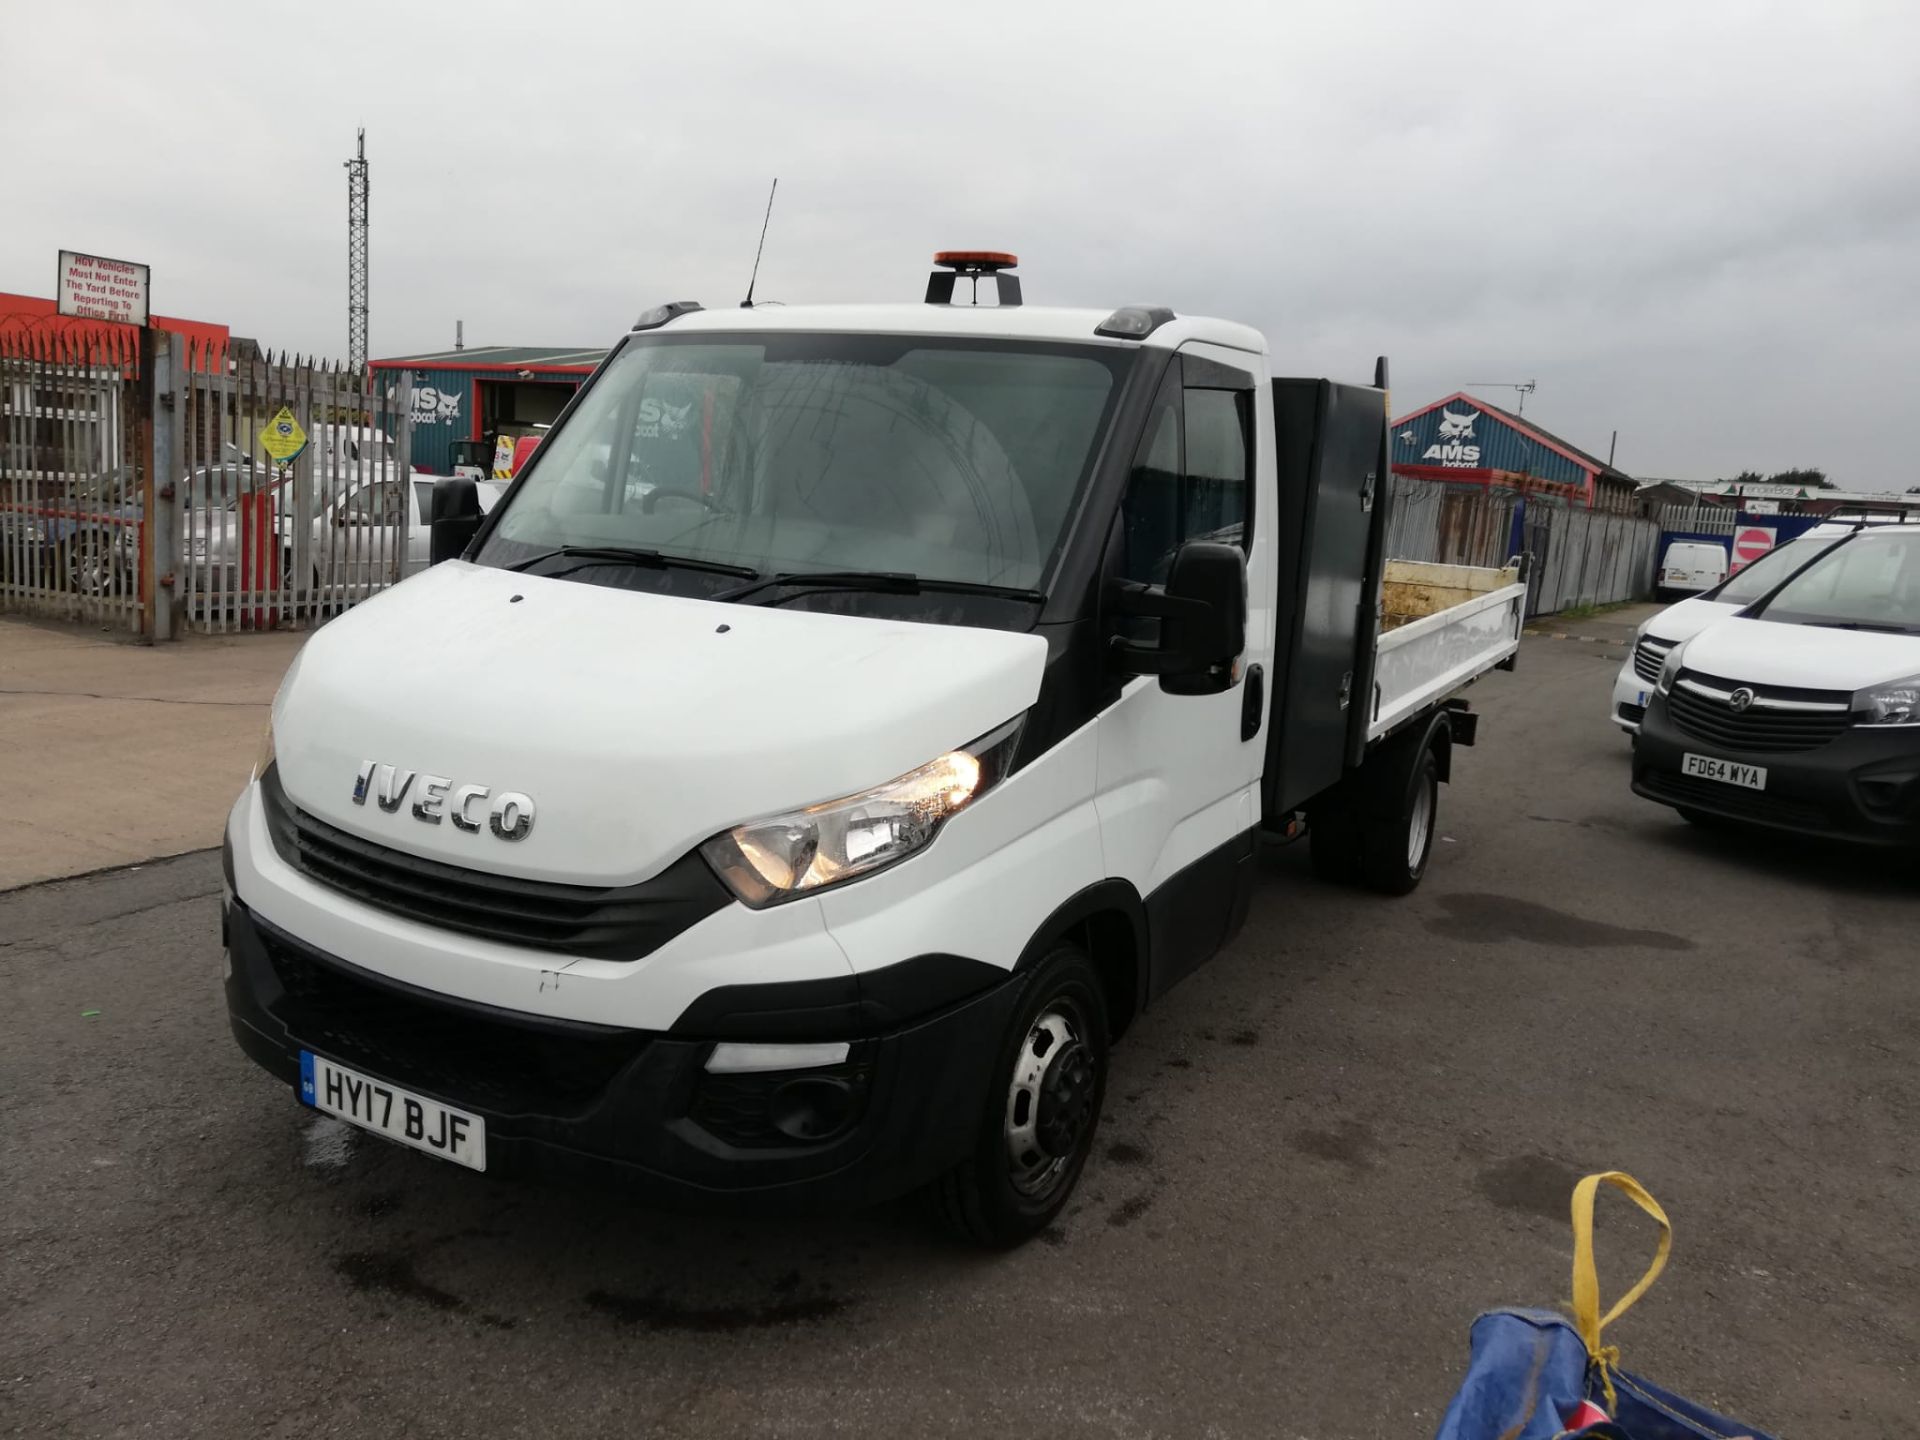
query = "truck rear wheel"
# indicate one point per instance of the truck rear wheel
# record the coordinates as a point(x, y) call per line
point(1394, 848)
point(1042, 1109)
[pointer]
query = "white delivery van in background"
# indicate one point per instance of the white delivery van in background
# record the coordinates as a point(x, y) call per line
point(1691, 566)
point(796, 821)
point(1802, 712)
point(1633, 686)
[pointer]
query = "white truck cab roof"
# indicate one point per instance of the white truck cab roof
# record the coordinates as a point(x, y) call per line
point(999, 322)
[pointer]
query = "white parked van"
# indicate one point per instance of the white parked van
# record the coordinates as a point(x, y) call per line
point(1633, 686)
point(1802, 712)
point(1691, 566)
point(847, 722)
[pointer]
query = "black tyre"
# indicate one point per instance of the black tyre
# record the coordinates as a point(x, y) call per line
point(1333, 841)
point(1043, 1107)
point(1394, 847)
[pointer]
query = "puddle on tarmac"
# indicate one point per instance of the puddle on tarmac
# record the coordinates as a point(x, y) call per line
point(329, 1144)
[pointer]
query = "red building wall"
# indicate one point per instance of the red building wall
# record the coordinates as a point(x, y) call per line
point(25, 318)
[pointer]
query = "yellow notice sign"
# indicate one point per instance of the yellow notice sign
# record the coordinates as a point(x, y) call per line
point(283, 438)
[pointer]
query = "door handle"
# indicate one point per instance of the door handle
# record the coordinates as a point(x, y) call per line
point(1253, 702)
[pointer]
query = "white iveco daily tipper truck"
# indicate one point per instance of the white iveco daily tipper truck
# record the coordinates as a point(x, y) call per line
point(849, 721)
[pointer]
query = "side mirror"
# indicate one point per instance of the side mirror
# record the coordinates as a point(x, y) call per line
point(456, 518)
point(1203, 621)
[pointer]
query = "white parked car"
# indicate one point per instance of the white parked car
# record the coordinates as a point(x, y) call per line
point(371, 534)
point(1692, 566)
point(1633, 686)
point(1802, 712)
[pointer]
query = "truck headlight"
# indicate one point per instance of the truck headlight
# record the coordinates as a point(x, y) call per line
point(1894, 704)
point(265, 757)
point(786, 856)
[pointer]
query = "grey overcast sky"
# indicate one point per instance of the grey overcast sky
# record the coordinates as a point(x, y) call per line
point(1695, 221)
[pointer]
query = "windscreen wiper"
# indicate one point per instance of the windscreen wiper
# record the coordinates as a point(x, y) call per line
point(1861, 625)
point(891, 582)
point(630, 555)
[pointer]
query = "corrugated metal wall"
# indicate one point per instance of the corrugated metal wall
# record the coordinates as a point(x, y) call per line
point(1580, 557)
point(442, 412)
point(1590, 558)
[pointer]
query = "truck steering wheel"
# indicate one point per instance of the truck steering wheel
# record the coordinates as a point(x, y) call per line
point(676, 492)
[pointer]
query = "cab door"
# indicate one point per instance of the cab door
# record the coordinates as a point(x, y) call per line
point(1179, 775)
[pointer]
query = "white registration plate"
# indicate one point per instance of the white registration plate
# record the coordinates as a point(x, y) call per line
point(1644, 699)
point(1727, 772)
point(388, 1110)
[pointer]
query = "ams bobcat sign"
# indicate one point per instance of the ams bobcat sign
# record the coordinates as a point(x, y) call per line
point(1452, 444)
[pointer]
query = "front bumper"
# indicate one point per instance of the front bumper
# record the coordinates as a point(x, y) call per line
point(566, 1099)
point(1631, 695)
point(1862, 786)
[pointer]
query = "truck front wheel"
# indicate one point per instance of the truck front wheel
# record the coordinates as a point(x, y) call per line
point(1043, 1107)
point(1394, 847)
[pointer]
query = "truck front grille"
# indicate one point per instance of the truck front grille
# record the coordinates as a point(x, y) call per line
point(454, 1051)
point(621, 922)
point(1691, 790)
point(1649, 655)
point(1778, 720)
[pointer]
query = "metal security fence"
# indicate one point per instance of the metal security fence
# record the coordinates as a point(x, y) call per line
point(72, 500)
point(152, 485)
point(1579, 557)
point(297, 498)
point(1445, 525)
point(1699, 519)
point(1592, 558)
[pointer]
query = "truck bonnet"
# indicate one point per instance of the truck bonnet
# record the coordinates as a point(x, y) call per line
point(636, 725)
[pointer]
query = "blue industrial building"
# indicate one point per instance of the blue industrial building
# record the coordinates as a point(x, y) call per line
point(1461, 440)
point(482, 392)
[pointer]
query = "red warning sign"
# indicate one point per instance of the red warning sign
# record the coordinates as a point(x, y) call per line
point(1750, 543)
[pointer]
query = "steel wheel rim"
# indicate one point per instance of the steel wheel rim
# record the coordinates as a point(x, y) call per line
point(91, 570)
point(1420, 826)
point(1049, 1100)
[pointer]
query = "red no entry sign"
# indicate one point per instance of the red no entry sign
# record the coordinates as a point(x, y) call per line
point(1750, 543)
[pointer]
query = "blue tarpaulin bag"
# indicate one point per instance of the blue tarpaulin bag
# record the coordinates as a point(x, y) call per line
point(1535, 1375)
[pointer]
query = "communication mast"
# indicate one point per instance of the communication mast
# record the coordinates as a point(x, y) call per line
point(357, 255)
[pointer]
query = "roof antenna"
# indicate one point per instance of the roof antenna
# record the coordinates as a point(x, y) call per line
point(1525, 387)
point(747, 304)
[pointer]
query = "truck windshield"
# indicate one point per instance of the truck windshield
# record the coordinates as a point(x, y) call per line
point(1870, 583)
point(945, 458)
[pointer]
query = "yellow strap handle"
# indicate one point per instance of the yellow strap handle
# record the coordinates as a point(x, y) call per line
point(1587, 1318)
